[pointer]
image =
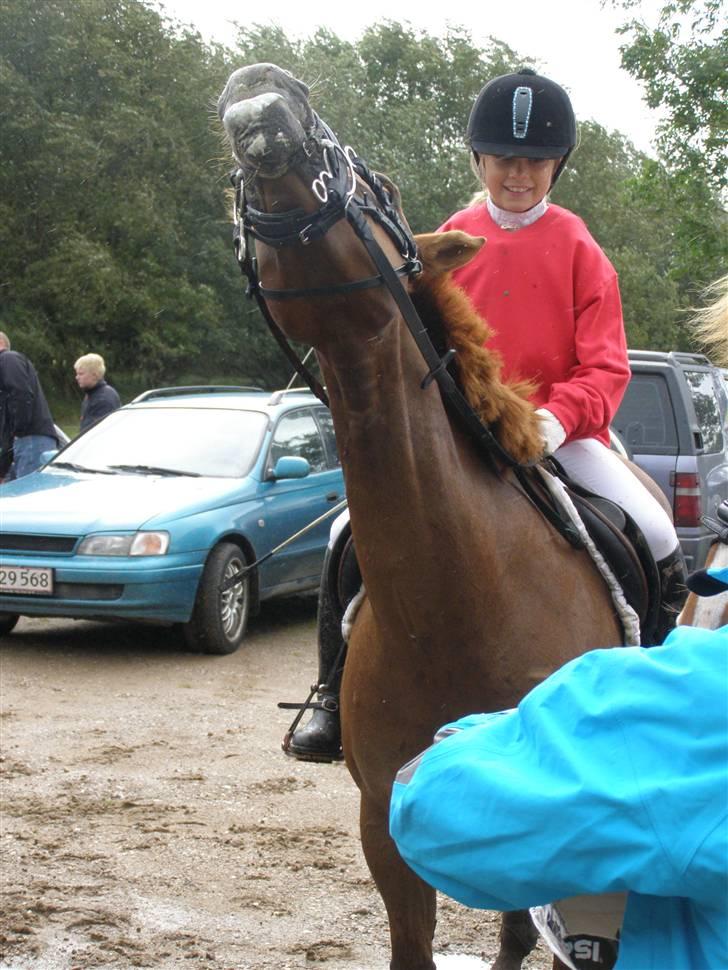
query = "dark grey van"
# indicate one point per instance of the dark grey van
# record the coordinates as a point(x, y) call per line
point(673, 419)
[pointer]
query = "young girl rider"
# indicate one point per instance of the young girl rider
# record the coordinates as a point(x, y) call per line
point(551, 298)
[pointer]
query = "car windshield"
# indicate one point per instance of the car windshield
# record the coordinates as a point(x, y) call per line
point(185, 441)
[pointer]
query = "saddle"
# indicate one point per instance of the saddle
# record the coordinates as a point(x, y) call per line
point(622, 543)
point(615, 534)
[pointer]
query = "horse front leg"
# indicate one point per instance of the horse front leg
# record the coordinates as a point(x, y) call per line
point(411, 904)
point(518, 936)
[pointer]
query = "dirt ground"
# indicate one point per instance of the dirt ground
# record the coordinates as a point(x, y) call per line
point(149, 818)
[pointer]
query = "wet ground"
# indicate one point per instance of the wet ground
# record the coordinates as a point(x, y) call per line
point(149, 818)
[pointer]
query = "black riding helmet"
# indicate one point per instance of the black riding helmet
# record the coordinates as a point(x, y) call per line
point(524, 115)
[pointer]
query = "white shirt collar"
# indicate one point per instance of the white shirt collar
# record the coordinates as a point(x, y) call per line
point(516, 220)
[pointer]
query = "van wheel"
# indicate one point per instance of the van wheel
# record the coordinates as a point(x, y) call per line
point(219, 619)
point(7, 622)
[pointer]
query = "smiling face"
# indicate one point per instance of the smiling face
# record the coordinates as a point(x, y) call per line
point(517, 184)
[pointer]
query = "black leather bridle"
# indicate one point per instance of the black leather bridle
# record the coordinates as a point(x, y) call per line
point(347, 189)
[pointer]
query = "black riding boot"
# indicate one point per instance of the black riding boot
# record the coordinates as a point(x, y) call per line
point(320, 739)
point(673, 574)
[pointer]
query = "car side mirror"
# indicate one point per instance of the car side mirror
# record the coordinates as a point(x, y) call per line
point(290, 466)
point(45, 456)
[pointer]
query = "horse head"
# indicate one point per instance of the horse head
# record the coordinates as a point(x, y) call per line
point(296, 185)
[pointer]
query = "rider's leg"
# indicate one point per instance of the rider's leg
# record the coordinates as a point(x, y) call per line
point(320, 738)
point(596, 467)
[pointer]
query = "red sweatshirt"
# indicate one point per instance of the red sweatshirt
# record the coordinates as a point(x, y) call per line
point(551, 297)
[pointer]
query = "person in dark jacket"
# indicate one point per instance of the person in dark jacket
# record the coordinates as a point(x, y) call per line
point(26, 425)
point(100, 398)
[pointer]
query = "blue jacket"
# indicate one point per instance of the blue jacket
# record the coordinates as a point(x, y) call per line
point(611, 775)
point(99, 401)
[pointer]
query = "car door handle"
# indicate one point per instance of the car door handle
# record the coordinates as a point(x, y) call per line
point(332, 496)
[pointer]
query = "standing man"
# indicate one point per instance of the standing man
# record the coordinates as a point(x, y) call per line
point(100, 398)
point(26, 425)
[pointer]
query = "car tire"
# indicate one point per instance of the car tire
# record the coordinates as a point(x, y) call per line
point(219, 620)
point(7, 622)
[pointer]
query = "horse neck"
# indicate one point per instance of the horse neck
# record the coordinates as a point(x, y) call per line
point(414, 483)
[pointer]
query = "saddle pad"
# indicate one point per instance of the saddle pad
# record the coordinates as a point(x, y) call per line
point(627, 615)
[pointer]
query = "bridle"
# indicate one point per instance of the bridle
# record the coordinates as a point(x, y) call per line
point(347, 189)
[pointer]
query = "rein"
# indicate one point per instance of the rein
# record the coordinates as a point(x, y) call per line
point(336, 188)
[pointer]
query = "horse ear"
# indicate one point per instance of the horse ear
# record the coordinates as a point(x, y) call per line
point(442, 252)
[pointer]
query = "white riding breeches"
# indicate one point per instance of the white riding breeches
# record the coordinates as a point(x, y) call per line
point(599, 469)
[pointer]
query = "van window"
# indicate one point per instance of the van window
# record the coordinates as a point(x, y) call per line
point(707, 410)
point(645, 418)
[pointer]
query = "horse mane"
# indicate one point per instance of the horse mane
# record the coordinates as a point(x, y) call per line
point(711, 322)
point(453, 323)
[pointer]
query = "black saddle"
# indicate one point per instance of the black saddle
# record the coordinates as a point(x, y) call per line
point(622, 543)
point(342, 576)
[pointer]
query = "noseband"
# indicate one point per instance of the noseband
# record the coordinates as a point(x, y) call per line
point(346, 188)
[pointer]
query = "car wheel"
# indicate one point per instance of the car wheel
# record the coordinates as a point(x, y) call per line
point(7, 622)
point(219, 619)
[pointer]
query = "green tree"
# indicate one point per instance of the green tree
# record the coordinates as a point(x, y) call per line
point(113, 216)
point(681, 61)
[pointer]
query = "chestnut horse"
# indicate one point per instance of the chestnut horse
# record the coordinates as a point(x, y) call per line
point(472, 597)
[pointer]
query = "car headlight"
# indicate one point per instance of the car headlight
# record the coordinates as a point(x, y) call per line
point(139, 544)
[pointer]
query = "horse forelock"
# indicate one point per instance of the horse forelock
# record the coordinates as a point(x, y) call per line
point(453, 322)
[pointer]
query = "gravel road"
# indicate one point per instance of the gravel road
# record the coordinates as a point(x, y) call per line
point(149, 818)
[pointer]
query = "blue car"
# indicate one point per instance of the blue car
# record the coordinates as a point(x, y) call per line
point(146, 514)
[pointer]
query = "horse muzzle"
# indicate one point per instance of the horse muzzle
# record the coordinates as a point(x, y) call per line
point(266, 117)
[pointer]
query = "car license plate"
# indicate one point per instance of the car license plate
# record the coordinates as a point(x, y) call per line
point(31, 580)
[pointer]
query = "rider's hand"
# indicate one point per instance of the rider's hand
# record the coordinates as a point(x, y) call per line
point(552, 431)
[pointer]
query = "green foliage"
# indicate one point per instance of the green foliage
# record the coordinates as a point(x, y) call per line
point(114, 216)
point(681, 61)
